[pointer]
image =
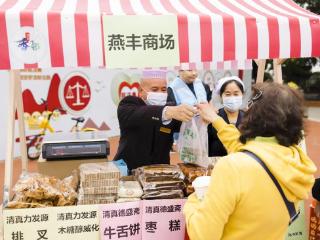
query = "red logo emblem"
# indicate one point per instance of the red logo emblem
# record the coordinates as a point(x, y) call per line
point(77, 93)
point(126, 89)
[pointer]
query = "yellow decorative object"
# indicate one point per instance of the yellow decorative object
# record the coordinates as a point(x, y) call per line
point(293, 85)
point(55, 115)
point(36, 115)
point(45, 114)
point(26, 116)
point(33, 123)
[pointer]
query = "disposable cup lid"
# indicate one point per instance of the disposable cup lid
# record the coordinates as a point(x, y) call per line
point(202, 181)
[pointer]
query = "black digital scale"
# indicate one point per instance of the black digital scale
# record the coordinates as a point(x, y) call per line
point(77, 145)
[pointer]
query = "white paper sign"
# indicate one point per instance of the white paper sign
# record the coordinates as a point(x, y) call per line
point(141, 41)
point(63, 223)
point(121, 221)
point(163, 219)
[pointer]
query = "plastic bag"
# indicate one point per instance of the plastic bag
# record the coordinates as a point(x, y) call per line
point(37, 190)
point(193, 142)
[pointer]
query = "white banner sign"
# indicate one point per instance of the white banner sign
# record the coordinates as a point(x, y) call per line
point(140, 41)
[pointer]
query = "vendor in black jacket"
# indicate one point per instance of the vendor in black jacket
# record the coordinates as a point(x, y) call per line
point(231, 90)
point(147, 125)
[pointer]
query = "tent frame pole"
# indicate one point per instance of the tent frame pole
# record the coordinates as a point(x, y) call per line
point(15, 102)
point(261, 66)
point(278, 70)
point(20, 113)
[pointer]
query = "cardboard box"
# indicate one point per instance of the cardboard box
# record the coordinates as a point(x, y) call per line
point(63, 168)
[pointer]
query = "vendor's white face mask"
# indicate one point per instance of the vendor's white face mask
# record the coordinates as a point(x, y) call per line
point(156, 98)
point(232, 103)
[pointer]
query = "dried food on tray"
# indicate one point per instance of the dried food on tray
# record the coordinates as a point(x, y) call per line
point(37, 190)
point(163, 194)
point(98, 171)
point(17, 204)
point(129, 188)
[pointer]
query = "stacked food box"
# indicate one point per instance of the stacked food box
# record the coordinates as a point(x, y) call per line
point(191, 172)
point(161, 181)
point(99, 183)
point(129, 189)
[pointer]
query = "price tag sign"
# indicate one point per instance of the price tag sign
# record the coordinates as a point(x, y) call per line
point(63, 223)
point(163, 219)
point(22, 224)
point(77, 222)
point(121, 221)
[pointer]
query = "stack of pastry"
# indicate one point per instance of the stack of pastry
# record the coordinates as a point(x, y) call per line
point(129, 189)
point(98, 183)
point(161, 181)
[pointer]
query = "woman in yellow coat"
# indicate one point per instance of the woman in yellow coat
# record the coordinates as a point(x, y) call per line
point(242, 201)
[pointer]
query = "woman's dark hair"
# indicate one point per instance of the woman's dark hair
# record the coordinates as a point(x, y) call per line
point(223, 87)
point(277, 112)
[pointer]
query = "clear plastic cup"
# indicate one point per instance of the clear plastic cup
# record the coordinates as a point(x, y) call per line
point(200, 185)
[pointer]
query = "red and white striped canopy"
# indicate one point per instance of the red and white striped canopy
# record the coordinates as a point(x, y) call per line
point(213, 33)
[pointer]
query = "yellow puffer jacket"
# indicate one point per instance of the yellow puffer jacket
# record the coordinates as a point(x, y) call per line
point(242, 202)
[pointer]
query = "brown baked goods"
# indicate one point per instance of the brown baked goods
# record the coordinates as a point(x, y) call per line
point(98, 171)
point(158, 172)
point(192, 171)
point(161, 181)
point(99, 183)
point(163, 194)
point(37, 190)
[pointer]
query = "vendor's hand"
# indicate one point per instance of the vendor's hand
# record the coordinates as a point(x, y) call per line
point(182, 112)
point(207, 112)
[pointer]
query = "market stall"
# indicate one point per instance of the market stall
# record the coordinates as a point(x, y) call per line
point(192, 34)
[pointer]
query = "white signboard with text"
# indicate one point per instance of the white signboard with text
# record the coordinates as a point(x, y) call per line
point(139, 41)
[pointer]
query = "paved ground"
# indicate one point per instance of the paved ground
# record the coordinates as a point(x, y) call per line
point(314, 113)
